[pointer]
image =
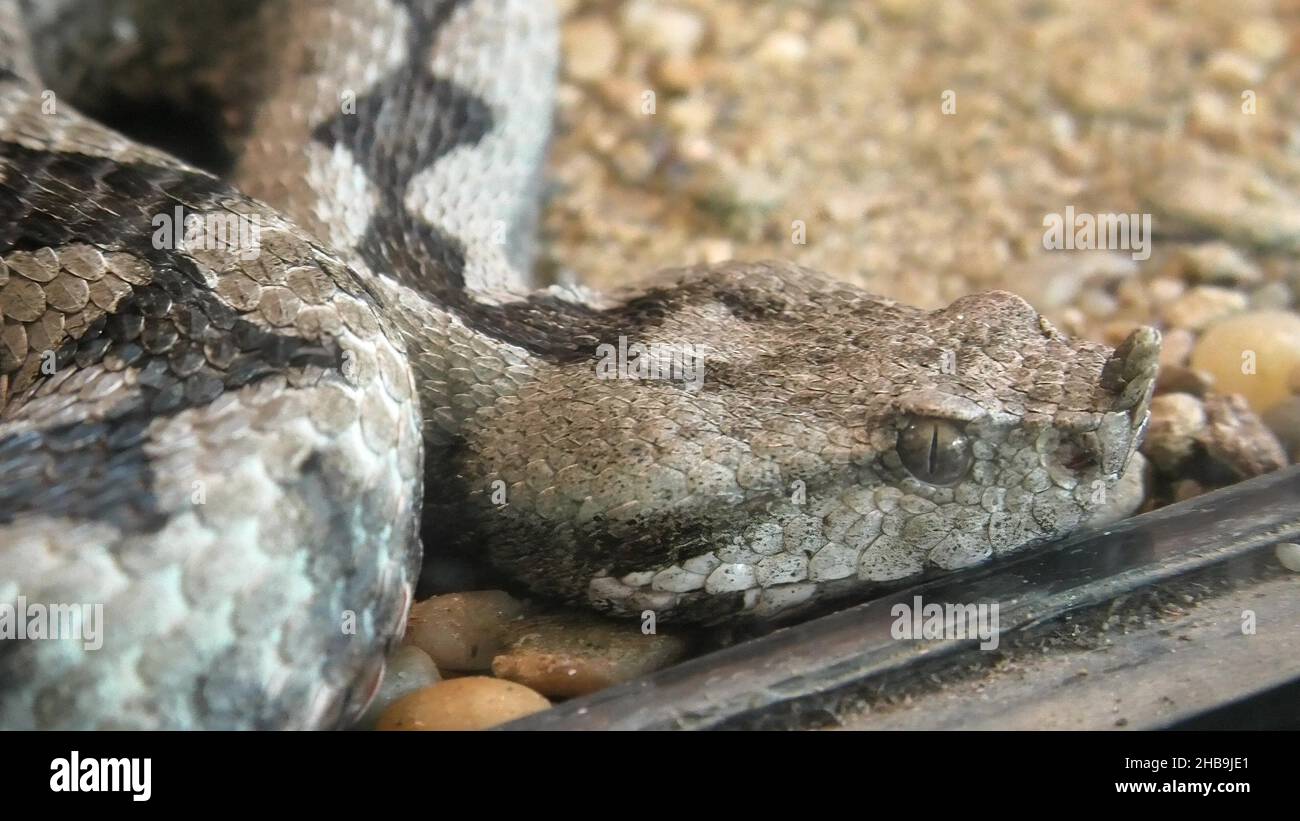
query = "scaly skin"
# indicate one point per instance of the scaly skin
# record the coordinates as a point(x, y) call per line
point(231, 453)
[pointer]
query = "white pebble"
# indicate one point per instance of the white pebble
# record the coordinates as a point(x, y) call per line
point(1288, 553)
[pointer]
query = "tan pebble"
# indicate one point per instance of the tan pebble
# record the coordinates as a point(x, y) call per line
point(1271, 296)
point(837, 37)
point(1109, 266)
point(470, 703)
point(591, 48)
point(745, 187)
point(1163, 290)
point(848, 205)
point(1238, 440)
point(796, 20)
point(1233, 70)
point(1175, 346)
point(462, 631)
point(679, 73)
point(1116, 80)
point(1284, 420)
point(1203, 305)
point(1252, 354)
point(1219, 262)
point(713, 250)
point(1097, 304)
point(903, 10)
point(1135, 294)
point(665, 29)
point(634, 161)
point(1073, 322)
point(627, 94)
point(782, 49)
point(1059, 289)
point(568, 96)
point(692, 114)
point(406, 670)
point(571, 655)
point(1180, 379)
point(1264, 39)
point(1213, 118)
point(1177, 419)
point(1117, 330)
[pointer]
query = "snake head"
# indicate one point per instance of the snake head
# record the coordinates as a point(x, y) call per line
point(836, 441)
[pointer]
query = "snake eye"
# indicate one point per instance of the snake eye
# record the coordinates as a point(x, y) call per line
point(935, 451)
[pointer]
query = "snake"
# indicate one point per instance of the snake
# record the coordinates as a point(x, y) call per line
point(248, 404)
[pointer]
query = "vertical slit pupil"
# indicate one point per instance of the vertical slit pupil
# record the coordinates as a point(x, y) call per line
point(934, 449)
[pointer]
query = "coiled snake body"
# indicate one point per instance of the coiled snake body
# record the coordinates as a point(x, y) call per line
point(228, 437)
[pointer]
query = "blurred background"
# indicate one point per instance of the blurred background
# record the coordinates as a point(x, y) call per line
point(916, 146)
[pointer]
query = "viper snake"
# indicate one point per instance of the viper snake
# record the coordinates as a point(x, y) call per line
point(237, 410)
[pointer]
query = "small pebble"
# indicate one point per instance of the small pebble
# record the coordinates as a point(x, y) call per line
point(590, 48)
point(1284, 420)
point(848, 205)
point(634, 162)
point(1202, 305)
point(712, 250)
point(783, 49)
point(1262, 38)
point(1219, 262)
point(692, 114)
point(679, 73)
point(571, 655)
point(1114, 332)
point(838, 38)
point(1233, 70)
point(1227, 194)
point(670, 30)
point(470, 703)
point(1212, 119)
point(1177, 419)
point(1252, 354)
point(406, 670)
point(1165, 289)
point(1288, 553)
point(1097, 304)
point(1178, 379)
point(1271, 296)
point(462, 631)
point(1235, 438)
point(1114, 80)
point(1175, 347)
